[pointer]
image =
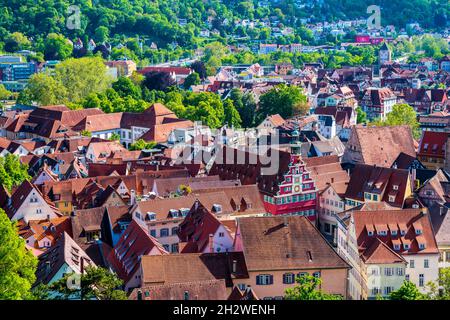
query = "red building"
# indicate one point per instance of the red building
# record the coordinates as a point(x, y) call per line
point(376, 40)
point(282, 179)
point(362, 38)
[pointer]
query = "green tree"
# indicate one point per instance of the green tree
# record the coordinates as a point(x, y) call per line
point(401, 114)
point(115, 137)
point(82, 77)
point(408, 291)
point(101, 34)
point(141, 144)
point(440, 290)
point(17, 41)
point(232, 117)
point(57, 47)
point(306, 289)
point(245, 105)
point(86, 133)
point(95, 283)
point(191, 80)
point(45, 90)
point(4, 94)
point(125, 87)
point(17, 264)
point(361, 116)
point(12, 171)
point(281, 99)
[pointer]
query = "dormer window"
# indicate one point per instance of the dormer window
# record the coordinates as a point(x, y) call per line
point(382, 233)
point(421, 246)
point(394, 232)
point(217, 208)
point(151, 216)
point(395, 187)
point(391, 199)
point(184, 211)
point(397, 247)
point(402, 232)
point(406, 246)
point(173, 213)
point(418, 231)
point(370, 233)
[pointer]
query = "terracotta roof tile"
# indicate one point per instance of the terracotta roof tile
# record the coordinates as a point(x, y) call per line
point(283, 243)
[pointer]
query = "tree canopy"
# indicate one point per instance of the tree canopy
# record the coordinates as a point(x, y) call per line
point(12, 171)
point(401, 114)
point(408, 291)
point(96, 283)
point(306, 289)
point(17, 264)
point(282, 99)
point(73, 81)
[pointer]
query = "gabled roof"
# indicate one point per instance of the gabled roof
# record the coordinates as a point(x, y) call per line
point(407, 220)
point(327, 170)
point(384, 182)
point(169, 185)
point(51, 229)
point(381, 145)
point(406, 161)
point(105, 194)
point(196, 229)
point(20, 195)
point(284, 243)
point(238, 294)
point(433, 144)
point(86, 220)
point(193, 267)
point(134, 243)
point(196, 290)
point(380, 253)
point(440, 219)
point(66, 250)
point(99, 122)
point(276, 120)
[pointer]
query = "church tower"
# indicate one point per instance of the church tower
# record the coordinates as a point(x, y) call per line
point(385, 54)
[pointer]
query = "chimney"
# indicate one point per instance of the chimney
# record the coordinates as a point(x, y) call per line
point(234, 266)
point(285, 223)
point(82, 265)
point(211, 243)
point(139, 294)
point(424, 211)
point(133, 197)
point(48, 267)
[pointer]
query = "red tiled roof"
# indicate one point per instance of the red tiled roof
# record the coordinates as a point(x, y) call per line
point(134, 243)
point(432, 144)
point(196, 290)
point(192, 267)
point(380, 253)
point(399, 220)
point(284, 243)
point(381, 145)
point(196, 229)
point(380, 181)
point(176, 70)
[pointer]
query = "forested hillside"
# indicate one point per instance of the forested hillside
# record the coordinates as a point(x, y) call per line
point(157, 20)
